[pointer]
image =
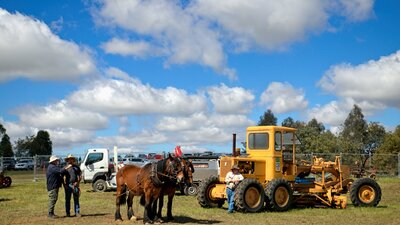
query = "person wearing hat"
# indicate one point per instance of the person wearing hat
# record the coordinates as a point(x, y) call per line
point(71, 185)
point(232, 179)
point(54, 176)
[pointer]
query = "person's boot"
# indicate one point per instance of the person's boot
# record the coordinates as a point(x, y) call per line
point(51, 215)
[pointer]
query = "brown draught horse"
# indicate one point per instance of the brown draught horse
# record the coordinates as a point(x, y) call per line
point(148, 181)
point(169, 189)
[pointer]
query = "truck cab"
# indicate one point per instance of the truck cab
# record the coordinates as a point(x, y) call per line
point(96, 170)
point(270, 155)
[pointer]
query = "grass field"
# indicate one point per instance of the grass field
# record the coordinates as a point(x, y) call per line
point(25, 202)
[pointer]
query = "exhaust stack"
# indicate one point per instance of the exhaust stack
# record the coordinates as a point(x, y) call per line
point(234, 145)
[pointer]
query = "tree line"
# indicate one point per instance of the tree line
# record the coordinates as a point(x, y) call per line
point(39, 144)
point(355, 136)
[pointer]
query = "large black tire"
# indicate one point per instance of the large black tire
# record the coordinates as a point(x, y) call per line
point(249, 196)
point(191, 190)
point(365, 192)
point(279, 194)
point(100, 185)
point(204, 196)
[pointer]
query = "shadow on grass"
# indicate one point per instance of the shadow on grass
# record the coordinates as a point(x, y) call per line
point(185, 219)
point(5, 199)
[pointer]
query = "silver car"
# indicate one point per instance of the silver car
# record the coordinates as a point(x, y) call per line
point(24, 164)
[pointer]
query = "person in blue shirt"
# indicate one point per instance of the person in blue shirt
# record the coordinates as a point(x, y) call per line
point(54, 176)
point(71, 186)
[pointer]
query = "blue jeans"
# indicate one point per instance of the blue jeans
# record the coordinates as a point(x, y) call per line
point(69, 190)
point(231, 195)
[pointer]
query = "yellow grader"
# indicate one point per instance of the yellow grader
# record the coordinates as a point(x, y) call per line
point(274, 180)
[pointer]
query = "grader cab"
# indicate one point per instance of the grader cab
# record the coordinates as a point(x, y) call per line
point(275, 181)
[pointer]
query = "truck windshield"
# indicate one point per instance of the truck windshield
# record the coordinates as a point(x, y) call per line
point(94, 157)
point(258, 140)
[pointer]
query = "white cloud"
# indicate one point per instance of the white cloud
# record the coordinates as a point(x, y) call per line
point(202, 128)
point(270, 24)
point(176, 124)
point(231, 100)
point(356, 10)
point(138, 140)
point(29, 49)
point(67, 137)
point(117, 97)
point(335, 112)
point(59, 115)
point(170, 28)
point(283, 98)
point(140, 49)
point(376, 82)
point(202, 31)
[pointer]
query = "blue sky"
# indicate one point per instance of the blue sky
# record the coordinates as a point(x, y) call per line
point(149, 75)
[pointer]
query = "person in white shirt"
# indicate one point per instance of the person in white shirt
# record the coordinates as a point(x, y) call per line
point(232, 179)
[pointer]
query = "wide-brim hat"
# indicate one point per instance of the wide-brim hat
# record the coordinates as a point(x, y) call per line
point(53, 158)
point(70, 156)
point(235, 167)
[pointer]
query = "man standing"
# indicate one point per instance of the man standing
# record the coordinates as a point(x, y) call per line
point(72, 179)
point(232, 179)
point(54, 180)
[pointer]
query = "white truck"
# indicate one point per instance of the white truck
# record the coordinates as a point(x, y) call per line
point(97, 169)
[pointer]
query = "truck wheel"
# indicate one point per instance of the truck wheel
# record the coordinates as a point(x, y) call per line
point(191, 190)
point(279, 194)
point(205, 198)
point(249, 196)
point(100, 185)
point(6, 182)
point(365, 192)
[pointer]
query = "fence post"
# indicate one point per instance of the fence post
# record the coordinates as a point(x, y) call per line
point(35, 168)
point(398, 164)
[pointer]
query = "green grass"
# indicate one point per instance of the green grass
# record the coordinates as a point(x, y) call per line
point(25, 202)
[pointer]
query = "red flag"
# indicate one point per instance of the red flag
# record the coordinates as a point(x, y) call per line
point(178, 152)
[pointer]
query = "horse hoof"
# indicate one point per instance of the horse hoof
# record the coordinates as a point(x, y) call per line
point(118, 221)
point(133, 218)
point(158, 221)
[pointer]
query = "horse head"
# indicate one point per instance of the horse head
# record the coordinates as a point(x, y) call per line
point(188, 170)
point(174, 168)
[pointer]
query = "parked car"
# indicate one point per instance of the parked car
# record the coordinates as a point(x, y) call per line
point(24, 164)
point(134, 161)
point(8, 164)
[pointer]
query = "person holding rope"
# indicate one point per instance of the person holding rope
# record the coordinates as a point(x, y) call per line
point(54, 176)
point(71, 185)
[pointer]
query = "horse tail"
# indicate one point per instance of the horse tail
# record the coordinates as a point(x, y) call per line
point(124, 195)
point(142, 200)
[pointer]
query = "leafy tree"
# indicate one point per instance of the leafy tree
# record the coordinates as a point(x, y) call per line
point(391, 143)
point(354, 133)
point(267, 119)
point(2, 129)
point(6, 147)
point(316, 126)
point(288, 122)
point(23, 146)
point(42, 144)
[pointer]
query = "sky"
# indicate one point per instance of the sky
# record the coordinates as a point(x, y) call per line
point(146, 76)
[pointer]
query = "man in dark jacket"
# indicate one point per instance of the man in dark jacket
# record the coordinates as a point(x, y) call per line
point(54, 176)
point(71, 185)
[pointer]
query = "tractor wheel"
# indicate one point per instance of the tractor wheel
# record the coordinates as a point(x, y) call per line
point(204, 196)
point(100, 185)
point(279, 194)
point(249, 196)
point(365, 192)
point(191, 190)
point(6, 182)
